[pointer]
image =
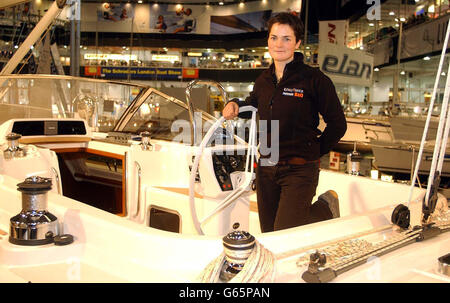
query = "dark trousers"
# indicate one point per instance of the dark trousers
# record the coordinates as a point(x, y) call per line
point(285, 193)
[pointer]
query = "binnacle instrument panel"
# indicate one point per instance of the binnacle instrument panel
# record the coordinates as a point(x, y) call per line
point(224, 165)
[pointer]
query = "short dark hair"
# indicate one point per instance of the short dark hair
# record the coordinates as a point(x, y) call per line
point(287, 18)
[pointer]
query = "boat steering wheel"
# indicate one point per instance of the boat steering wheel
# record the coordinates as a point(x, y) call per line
point(243, 186)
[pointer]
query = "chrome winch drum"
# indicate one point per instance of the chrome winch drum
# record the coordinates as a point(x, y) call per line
point(444, 265)
point(13, 149)
point(238, 245)
point(34, 225)
point(354, 163)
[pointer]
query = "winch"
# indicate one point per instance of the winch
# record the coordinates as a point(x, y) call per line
point(145, 143)
point(354, 163)
point(34, 225)
point(238, 246)
point(13, 150)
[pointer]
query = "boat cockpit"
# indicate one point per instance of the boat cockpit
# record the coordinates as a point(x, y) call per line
point(130, 163)
point(105, 144)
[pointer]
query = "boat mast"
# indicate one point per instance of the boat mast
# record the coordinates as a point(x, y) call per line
point(35, 34)
point(75, 17)
point(305, 39)
point(8, 3)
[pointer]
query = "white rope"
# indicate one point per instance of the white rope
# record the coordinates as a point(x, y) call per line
point(259, 267)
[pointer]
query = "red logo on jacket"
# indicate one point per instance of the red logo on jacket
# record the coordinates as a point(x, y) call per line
point(293, 92)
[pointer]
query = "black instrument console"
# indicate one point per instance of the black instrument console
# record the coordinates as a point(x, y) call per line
point(49, 127)
point(225, 164)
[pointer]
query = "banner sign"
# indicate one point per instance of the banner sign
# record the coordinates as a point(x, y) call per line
point(168, 18)
point(345, 65)
point(143, 73)
point(334, 32)
point(424, 38)
point(240, 23)
point(385, 51)
point(115, 12)
point(416, 41)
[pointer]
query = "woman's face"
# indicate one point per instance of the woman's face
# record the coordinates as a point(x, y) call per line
point(282, 43)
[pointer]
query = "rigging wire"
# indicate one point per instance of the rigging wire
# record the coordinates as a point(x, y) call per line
point(427, 123)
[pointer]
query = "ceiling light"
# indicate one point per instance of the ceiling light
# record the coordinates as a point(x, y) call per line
point(140, 1)
point(426, 58)
point(371, 24)
point(376, 69)
point(220, 3)
point(402, 72)
point(402, 19)
point(391, 13)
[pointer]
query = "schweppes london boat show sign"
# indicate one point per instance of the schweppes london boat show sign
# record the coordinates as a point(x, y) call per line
point(147, 73)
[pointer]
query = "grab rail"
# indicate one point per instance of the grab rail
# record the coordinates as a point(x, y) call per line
point(190, 105)
point(138, 206)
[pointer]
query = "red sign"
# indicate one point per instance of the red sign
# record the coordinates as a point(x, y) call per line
point(190, 73)
point(92, 71)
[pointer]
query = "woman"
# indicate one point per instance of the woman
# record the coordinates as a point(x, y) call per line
point(293, 94)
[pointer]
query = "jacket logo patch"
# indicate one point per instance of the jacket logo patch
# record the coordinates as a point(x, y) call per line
point(293, 92)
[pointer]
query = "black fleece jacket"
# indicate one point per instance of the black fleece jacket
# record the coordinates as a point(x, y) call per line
point(296, 102)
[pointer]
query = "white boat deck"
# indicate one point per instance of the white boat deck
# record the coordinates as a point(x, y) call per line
point(109, 248)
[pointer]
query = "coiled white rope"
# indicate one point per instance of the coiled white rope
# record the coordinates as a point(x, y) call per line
point(259, 267)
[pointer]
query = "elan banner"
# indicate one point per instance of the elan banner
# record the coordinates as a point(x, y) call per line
point(345, 65)
point(333, 31)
